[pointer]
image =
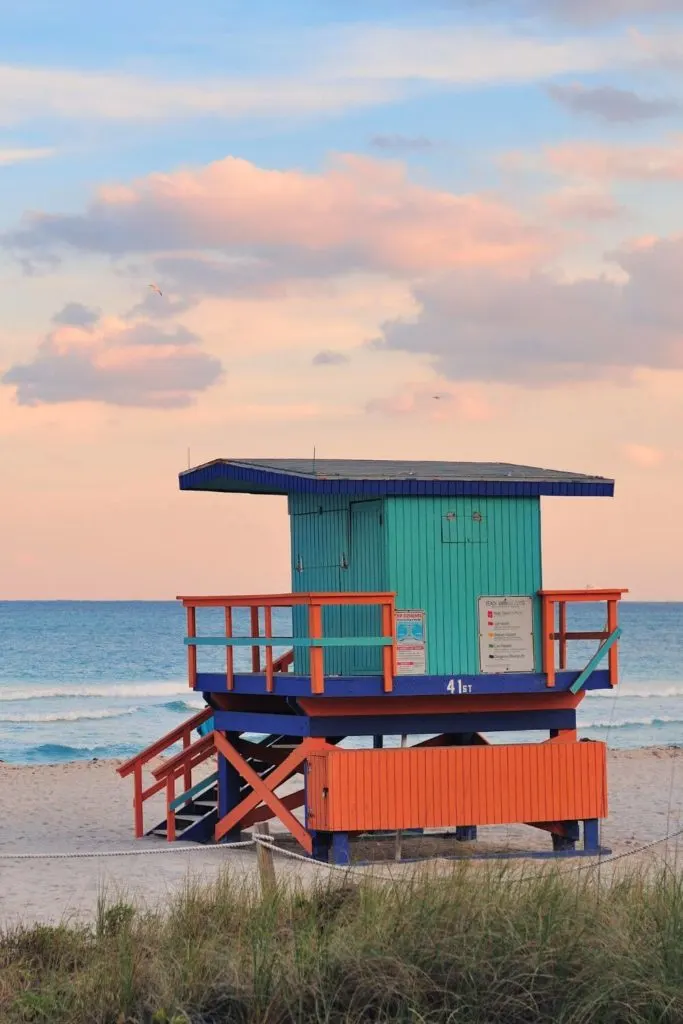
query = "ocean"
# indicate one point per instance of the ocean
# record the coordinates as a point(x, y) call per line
point(83, 680)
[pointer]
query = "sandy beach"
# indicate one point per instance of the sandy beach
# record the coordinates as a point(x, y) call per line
point(86, 807)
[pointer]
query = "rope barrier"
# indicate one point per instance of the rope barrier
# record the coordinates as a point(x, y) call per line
point(632, 853)
point(76, 854)
point(344, 868)
point(270, 843)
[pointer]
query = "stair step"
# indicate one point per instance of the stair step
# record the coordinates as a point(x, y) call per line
point(204, 803)
point(185, 820)
point(160, 830)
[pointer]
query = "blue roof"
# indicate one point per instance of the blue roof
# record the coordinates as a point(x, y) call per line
point(378, 478)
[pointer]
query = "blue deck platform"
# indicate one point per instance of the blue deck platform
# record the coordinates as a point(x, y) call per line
point(287, 685)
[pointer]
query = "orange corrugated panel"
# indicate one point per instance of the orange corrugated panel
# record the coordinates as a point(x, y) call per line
point(317, 783)
point(435, 787)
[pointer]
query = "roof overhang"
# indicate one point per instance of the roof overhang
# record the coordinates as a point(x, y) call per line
point(474, 479)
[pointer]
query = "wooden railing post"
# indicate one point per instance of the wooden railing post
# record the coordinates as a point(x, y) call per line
point(255, 632)
point(187, 772)
point(612, 624)
point(268, 627)
point(563, 634)
point(192, 650)
point(229, 650)
point(138, 809)
point(170, 813)
point(388, 652)
point(315, 632)
point(548, 639)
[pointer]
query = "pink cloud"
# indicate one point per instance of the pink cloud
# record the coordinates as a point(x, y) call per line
point(582, 204)
point(116, 363)
point(538, 329)
point(434, 403)
point(359, 214)
point(600, 161)
point(643, 455)
point(267, 411)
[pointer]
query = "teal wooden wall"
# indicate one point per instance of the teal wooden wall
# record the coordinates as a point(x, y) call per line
point(338, 544)
point(438, 554)
point(319, 528)
point(367, 571)
point(442, 557)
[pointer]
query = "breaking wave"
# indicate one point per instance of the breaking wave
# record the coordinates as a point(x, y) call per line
point(50, 752)
point(102, 690)
point(634, 691)
point(68, 716)
point(631, 723)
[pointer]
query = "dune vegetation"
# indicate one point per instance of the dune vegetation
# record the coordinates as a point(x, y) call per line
point(473, 945)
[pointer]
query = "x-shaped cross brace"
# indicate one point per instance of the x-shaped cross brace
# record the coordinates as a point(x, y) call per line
point(263, 791)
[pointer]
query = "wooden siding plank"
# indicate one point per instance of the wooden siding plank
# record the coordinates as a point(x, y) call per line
point(441, 787)
point(445, 580)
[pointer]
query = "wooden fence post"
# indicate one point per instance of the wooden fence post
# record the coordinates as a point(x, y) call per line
point(264, 860)
point(398, 849)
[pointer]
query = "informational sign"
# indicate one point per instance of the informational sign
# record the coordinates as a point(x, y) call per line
point(411, 644)
point(506, 634)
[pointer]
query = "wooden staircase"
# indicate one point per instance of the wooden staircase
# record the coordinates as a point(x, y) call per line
point(193, 814)
point(196, 816)
point(196, 810)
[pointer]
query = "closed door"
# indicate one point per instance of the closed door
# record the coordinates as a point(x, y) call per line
point(367, 572)
point(319, 544)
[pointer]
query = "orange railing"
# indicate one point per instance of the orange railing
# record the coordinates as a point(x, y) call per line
point(555, 628)
point(315, 641)
point(135, 765)
point(284, 662)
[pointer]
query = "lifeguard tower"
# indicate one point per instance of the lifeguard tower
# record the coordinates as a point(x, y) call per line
point(417, 611)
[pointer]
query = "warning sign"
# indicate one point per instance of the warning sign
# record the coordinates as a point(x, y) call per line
point(506, 634)
point(411, 646)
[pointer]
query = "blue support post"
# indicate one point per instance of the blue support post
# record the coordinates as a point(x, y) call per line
point(466, 833)
point(591, 835)
point(566, 840)
point(321, 846)
point(341, 851)
point(228, 791)
point(378, 742)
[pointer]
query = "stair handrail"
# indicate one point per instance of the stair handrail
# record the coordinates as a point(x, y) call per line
point(134, 765)
point(282, 663)
point(158, 747)
point(182, 764)
point(193, 755)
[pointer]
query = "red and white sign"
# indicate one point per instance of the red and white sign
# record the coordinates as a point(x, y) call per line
point(411, 646)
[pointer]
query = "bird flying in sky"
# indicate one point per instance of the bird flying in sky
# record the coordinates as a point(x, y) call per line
point(156, 288)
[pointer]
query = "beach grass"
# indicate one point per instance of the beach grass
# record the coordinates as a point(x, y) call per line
point(478, 944)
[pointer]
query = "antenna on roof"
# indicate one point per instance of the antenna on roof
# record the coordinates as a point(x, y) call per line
point(313, 460)
point(189, 464)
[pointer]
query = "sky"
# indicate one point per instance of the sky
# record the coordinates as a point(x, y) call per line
point(348, 208)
